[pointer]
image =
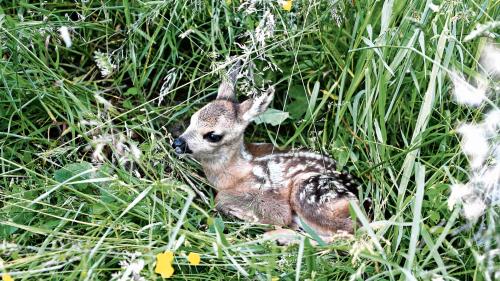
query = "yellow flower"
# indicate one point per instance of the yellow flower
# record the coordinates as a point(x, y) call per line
point(275, 279)
point(287, 5)
point(7, 277)
point(164, 264)
point(194, 258)
point(168, 271)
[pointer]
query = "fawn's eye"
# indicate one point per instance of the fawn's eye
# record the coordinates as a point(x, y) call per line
point(212, 137)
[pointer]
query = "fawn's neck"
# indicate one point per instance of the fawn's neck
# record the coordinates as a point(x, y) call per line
point(230, 168)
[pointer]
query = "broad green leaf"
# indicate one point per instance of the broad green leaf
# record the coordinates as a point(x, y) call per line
point(132, 91)
point(298, 106)
point(70, 170)
point(272, 116)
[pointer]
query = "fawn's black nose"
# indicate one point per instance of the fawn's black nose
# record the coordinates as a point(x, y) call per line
point(180, 146)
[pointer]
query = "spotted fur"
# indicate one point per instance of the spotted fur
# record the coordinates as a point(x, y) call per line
point(260, 183)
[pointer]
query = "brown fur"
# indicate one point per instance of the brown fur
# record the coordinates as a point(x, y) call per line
point(262, 149)
point(260, 183)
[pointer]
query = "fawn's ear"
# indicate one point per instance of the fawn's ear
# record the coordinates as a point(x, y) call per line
point(226, 88)
point(251, 108)
point(226, 91)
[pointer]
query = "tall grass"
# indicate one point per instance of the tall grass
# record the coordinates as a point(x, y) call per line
point(90, 184)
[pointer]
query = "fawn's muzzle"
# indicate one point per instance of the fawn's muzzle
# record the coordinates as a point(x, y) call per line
point(181, 146)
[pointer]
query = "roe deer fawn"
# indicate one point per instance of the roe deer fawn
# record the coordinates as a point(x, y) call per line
point(258, 183)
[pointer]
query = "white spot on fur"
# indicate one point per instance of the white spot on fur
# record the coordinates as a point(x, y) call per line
point(261, 174)
point(339, 187)
point(299, 154)
point(246, 155)
point(296, 169)
point(258, 171)
point(309, 187)
point(327, 197)
point(323, 181)
point(311, 199)
point(306, 175)
point(275, 172)
point(302, 195)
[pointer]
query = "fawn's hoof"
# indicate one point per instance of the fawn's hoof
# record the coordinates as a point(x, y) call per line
point(283, 237)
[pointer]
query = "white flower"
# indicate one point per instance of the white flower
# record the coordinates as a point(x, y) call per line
point(98, 155)
point(473, 206)
point(136, 266)
point(104, 63)
point(474, 143)
point(473, 209)
point(64, 31)
point(490, 59)
point(490, 182)
point(133, 255)
point(458, 193)
point(135, 151)
point(466, 93)
point(123, 264)
point(132, 267)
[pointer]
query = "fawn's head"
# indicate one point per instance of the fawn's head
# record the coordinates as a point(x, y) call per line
point(216, 130)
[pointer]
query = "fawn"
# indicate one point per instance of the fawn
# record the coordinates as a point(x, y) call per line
point(259, 183)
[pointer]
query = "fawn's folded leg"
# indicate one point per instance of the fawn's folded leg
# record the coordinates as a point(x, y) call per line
point(255, 206)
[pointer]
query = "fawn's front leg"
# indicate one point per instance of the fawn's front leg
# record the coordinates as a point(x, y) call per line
point(255, 205)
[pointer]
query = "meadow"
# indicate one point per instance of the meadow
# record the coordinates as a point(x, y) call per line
point(92, 93)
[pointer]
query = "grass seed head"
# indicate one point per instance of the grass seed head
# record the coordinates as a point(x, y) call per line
point(473, 209)
point(104, 63)
point(490, 58)
point(474, 143)
point(465, 93)
point(265, 29)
